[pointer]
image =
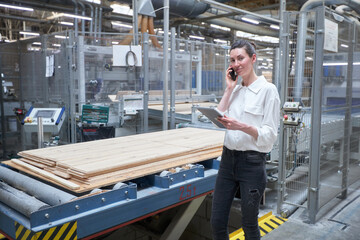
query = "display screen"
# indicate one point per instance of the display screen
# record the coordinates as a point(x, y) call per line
point(45, 113)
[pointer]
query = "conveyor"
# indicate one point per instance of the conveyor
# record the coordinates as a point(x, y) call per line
point(62, 214)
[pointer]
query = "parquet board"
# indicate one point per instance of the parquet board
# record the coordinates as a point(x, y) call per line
point(103, 162)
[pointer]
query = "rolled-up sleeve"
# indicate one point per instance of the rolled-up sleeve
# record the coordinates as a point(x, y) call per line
point(268, 131)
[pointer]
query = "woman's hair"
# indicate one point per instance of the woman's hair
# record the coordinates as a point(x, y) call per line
point(249, 47)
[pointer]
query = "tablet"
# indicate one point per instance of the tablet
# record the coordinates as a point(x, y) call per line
point(212, 114)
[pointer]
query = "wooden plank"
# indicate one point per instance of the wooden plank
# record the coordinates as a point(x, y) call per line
point(143, 170)
point(110, 160)
point(102, 156)
point(125, 174)
point(46, 174)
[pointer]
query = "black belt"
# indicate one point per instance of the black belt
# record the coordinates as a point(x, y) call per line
point(237, 152)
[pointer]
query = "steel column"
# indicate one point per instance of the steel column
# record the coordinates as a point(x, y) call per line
point(146, 81)
point(2, 112)
point(347, 126)
point(165, 64)
point(284, 62)
point(81, 71)
point(316, 103)
point(172, 79)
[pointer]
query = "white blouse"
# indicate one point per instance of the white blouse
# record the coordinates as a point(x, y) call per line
point(257, 105)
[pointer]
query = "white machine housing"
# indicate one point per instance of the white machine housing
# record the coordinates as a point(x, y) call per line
point(52, 119)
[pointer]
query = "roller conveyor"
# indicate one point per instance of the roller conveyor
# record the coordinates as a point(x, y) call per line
point(94, 214)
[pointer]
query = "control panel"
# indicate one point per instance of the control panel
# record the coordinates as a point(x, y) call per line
point(291, 107)
point(291, 120)
point(289, 117)
point(52, 119)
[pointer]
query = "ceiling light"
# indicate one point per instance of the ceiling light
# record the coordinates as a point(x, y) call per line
point(36, 43)
point(220, 41)
point(121, 25)
point(56, 45)
point(29, 33)
point(61, 37)
point(250, 20)
point(94, 1)
point(220, 27)
point(16, 7)
point(77, 16)
point(115, 42)
point(344, 45)
point(196, 37)
point(67, 23)
point(274, 26)
point(122, 9)
point(339, 64)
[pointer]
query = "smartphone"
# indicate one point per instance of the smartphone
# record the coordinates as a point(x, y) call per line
point(233, 74)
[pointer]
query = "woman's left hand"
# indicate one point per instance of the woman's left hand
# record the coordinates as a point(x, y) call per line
point(229, 123)
point(233, 124)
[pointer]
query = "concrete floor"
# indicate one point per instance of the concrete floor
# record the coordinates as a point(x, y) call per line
point(337, 220)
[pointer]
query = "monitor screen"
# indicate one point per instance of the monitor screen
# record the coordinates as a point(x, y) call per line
point(45, 113)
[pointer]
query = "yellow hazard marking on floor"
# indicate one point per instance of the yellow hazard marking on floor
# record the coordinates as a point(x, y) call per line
point(68, 231)
point(267, 223)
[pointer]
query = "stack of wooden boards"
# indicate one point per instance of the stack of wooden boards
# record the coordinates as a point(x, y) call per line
point(104, 162)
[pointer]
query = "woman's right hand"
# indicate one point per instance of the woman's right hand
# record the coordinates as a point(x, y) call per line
point(230, 83)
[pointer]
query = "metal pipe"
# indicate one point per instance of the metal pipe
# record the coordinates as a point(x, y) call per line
point(19, 200)
point(83, 14)
point(92, 18)
point(184, 8)
point(242, 26)
point(95, 22)
point(135, 22)
point(100, 22)
point(23, 18)
point(301, 37)
point(165, 64)
point(45, 5)
point(42, 191)
point(229, 8)
point(342, 9)
point(40, 131)
point(75, 19)
point(311, 4)
point(288, 209)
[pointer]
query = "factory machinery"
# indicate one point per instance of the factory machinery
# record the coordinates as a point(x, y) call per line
point(34, 209)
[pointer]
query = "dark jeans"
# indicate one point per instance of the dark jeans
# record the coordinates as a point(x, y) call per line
point(244, 169)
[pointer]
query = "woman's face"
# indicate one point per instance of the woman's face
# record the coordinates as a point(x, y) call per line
point(241, 62)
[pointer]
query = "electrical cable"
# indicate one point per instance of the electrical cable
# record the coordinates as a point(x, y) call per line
point(128, 54)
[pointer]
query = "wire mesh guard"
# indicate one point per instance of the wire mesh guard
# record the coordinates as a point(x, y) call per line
point(339, 152)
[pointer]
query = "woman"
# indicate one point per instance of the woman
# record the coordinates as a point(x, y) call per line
point(252, 113)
